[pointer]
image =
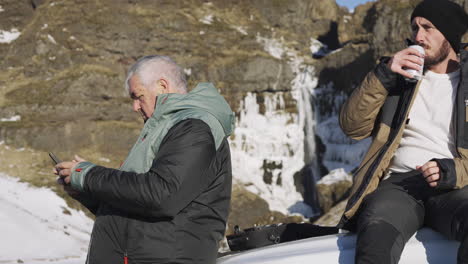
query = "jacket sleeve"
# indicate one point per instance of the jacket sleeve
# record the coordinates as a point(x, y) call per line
point(87, 201)
point(359, 113)
point(452, 172)
point(177, 176)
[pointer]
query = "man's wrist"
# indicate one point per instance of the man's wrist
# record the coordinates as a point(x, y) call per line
point(385, 75)
point(78, 175)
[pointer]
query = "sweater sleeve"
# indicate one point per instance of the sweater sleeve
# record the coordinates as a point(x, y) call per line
point(177, 176)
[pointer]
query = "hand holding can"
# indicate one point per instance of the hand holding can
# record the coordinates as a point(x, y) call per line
point(417, 74)
point(408, 62)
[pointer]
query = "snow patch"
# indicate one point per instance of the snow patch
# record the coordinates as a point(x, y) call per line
point(240, 29)
point(51, 39)
point(340, 150)
point(1, 9)
point(9, 36)
point(45, 26)
point(38, 226)
point(318, 49)
point(346, 19)
point(268, 145)
point(188, 71)
point(208, 19)
point(273, 46)
point(14, 118)
point(335, 176)
point(104, 159)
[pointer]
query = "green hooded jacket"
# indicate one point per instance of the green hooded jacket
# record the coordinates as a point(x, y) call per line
point(169, 201)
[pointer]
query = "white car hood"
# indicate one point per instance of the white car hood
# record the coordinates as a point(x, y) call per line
point(426, 246)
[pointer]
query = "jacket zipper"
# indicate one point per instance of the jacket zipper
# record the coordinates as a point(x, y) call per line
point(125, 258)
point(382, 151)
point(460, 93)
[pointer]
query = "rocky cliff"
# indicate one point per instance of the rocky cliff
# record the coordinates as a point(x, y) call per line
point(285, 67)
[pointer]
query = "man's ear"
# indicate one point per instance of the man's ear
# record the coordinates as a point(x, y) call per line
point(163, 84)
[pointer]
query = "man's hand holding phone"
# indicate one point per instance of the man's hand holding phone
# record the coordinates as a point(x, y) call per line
point(64, 169)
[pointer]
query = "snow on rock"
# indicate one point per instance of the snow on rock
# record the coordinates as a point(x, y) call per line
point(335, 176)
point(188, 71)
point(104, 159)
point(318, 49)
point(9, 36)
point(51, 39)
point(38, 227)
point(273, 140)
point(14, 118)
point(241, 30)
point(268, 148)
point(208, 19)
point(273, 46)
point(277, 144)
point(1, 9)
point(340, 150)
point(346, 19)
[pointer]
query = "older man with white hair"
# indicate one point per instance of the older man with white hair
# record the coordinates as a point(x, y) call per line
point(169, 201)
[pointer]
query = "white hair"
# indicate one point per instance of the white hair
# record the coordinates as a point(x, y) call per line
point(154, 67)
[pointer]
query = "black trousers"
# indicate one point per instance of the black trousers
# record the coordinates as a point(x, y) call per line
point(400, 206)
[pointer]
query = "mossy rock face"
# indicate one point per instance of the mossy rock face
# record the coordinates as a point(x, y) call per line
point(331, 194)
point(333, 216)
point(69, 63)
point(64, 75)
point(248, 210)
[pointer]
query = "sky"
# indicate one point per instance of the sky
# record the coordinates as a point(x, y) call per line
point(351, 4)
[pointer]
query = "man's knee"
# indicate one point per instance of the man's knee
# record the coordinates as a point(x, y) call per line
point(405, 215)
point(378, 242)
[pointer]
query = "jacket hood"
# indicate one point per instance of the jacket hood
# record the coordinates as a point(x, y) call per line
point(203, 97)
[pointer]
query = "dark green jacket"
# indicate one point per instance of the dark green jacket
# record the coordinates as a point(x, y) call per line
point(169, 201)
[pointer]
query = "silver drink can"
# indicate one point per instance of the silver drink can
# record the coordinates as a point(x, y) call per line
point(417, 75)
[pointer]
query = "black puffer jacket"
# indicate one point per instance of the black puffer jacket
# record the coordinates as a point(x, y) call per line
point(188, 227)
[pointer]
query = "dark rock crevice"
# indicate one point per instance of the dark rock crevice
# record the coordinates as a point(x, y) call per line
point(331, 37)
point(36, 3)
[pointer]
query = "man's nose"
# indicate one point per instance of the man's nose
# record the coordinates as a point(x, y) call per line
point(419, 36)
point(136, 105)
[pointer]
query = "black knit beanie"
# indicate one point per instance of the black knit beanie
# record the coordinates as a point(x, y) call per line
point(448, 17)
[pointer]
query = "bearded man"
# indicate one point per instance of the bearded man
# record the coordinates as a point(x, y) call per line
point(415, 172)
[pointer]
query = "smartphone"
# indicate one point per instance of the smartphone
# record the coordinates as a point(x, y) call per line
point(56, 161)
point(54, 158)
